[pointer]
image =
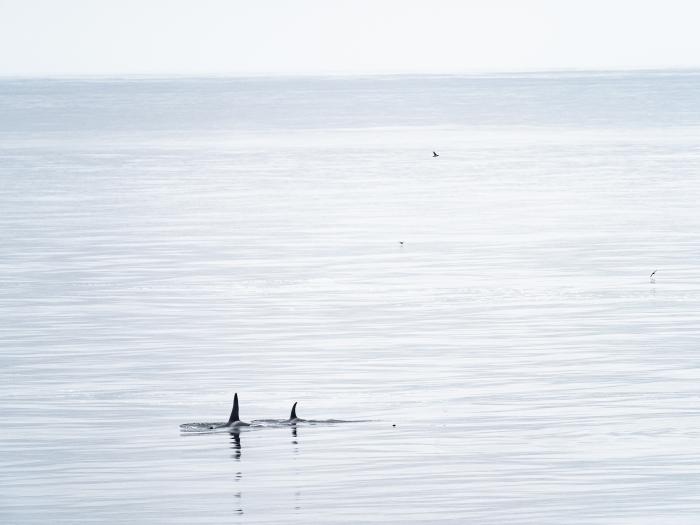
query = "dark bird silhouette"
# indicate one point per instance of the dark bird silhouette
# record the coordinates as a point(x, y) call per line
point(652, 278)
point(435, 155)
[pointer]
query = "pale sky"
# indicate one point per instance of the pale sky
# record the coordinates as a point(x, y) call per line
point(219, 37)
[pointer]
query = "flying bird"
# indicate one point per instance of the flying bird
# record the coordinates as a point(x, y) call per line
point(652, 278)
point(435, 155)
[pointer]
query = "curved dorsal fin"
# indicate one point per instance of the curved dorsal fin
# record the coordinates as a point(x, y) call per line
point(293, 415)
point(234, 413)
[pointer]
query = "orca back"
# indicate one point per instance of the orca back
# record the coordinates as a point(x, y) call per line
point(234, 412)
point(293, 415)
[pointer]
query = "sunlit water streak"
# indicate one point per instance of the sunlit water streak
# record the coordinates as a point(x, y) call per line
point(168, 243)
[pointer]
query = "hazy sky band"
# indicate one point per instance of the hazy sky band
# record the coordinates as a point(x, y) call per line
point(83, 37)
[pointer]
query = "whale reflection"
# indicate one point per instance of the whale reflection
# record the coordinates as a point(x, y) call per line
point(295, 451)
point(236, 445)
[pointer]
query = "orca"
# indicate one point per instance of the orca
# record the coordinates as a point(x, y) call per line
point(293, 416)
point(234, 424)
point(234, 421)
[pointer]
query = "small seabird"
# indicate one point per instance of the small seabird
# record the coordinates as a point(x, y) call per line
point(652, 278)
point(435, 154)
point(401, 243)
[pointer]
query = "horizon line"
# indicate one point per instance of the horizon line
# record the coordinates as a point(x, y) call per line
point(270, 75)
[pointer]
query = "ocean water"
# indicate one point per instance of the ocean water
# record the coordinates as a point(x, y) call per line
point(169, 242)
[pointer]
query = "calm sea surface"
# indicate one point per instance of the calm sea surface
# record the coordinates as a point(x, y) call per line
point(168, 242)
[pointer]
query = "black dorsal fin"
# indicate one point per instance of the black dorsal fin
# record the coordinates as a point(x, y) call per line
point(234, 413)
point(293, 415)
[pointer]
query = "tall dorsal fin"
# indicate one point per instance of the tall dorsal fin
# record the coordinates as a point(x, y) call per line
point(234, 413)
point(293, 415)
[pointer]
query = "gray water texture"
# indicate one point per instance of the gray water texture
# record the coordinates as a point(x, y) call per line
point(168, 242)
